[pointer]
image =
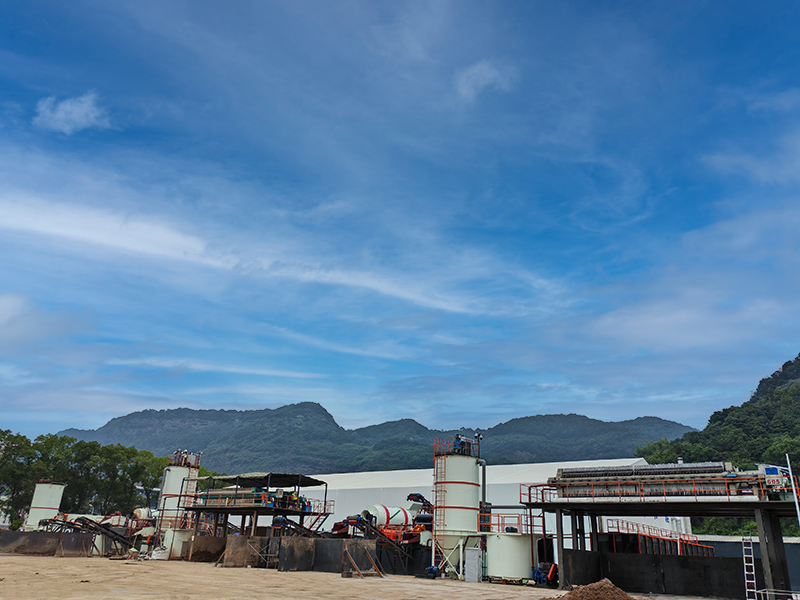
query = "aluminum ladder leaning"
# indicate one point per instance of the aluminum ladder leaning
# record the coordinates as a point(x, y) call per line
point(749, 569)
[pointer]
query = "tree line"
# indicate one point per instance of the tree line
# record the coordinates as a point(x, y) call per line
point(99, 479)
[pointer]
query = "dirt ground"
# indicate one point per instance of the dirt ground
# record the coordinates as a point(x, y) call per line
point(50, 578)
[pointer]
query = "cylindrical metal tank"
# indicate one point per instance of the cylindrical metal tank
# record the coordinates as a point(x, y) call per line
point(388, 515)
point(461, 499)
point(45, 504)
point(171, 488)
point(508, 555)
point(142, 513)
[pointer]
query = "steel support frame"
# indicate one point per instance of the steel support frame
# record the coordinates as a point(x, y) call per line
point(773, 553)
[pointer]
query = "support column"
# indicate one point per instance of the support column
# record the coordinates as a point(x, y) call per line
point(560, 544)
point(194, 533)
point(216, 523)
point(581, 521)
point(254, 523)
point(573, 521)
point(595, 538)
point(225, 525)
point(773, 554)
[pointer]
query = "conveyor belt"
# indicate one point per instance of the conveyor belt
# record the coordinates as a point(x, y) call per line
point(295, 528)
point(373, 532)
point(98, 528)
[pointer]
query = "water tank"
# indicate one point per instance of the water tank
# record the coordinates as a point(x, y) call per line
point(388, 515)
point(460, 500)
point(508, 555)
point(170, 500)
point(45, 503)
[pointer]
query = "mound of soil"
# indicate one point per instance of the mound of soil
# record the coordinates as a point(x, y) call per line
point(601, 590)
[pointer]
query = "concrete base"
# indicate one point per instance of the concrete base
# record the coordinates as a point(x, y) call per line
point(704, 576)
point(44, 543)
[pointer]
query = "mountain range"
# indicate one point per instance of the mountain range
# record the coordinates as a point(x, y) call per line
point(305, 438)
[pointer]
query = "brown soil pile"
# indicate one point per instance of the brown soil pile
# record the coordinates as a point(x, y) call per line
point(601, 590)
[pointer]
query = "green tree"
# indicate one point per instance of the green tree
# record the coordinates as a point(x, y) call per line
point(17, 475)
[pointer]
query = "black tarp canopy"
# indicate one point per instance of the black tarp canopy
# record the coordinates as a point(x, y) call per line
point(263, 480)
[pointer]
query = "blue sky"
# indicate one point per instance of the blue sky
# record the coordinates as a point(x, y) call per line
point(459, 212)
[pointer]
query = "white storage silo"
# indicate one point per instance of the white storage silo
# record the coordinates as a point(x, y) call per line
point(456, 501)
point(458, 497)
point(45, 504)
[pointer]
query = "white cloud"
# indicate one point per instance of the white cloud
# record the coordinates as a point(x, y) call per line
point(482, 75)
point(11, 306)
point(785, 101)
point(194, 365)
point(71, 115)
point(88, 225)
point(780, 166)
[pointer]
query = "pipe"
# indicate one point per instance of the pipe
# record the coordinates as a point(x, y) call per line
point(482, 463)
point(794, 489)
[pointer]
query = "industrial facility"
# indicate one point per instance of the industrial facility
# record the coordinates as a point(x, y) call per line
point(545, 524)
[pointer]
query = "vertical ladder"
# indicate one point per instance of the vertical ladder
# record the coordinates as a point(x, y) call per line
point(749, 569)
point(439, 464)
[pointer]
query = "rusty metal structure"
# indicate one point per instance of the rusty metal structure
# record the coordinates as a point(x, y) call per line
point(690, 490)
point(247, 497)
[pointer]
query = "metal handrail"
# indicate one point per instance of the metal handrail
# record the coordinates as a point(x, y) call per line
point(690, 488)
point(622, 526)
point(767, 594)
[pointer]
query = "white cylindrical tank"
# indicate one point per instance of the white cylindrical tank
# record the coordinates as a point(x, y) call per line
point(142, 513)
point(171, 488)
point(388, 515)
point(508, 555)
point(45, 504)
point(461, 499)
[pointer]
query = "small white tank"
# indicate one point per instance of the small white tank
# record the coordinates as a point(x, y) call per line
point(508, 555)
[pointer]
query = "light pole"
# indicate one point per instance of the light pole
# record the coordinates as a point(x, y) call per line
point(794, 489)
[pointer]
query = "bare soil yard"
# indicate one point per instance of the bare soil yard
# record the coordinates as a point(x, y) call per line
point(50, 578)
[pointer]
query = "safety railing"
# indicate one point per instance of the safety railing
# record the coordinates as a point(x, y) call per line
point(264, 500)
point(510, 522)
point(655, 540)
point(776, 595)
point(622, 526)
point(719, 488)
point(456, 445)
point(177, 501)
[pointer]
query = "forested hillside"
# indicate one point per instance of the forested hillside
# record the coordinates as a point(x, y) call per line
point(305, 438)
point(762, 429)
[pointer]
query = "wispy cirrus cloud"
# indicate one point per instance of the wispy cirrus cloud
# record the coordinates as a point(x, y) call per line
point(114, 230)
point(71, 115)
point(777, 165)
point(784, 101)
point(196, 365)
